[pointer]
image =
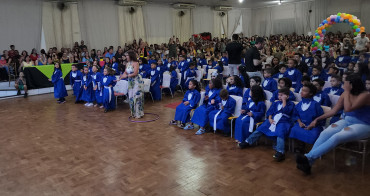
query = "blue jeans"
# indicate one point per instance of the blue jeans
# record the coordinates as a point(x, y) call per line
point(336, 134)
point(279, 146)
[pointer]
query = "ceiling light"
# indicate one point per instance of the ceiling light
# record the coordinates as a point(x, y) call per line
point(279, 2)
point(241, 1)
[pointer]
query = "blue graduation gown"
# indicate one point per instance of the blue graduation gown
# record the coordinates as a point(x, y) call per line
point(294, 75)
point(283, 126)
point(234, 90)
point(308, 60)
point(183, 111)
point(202, 62)
point(96, 79)
point(225, 61)
point(313, 111)
point(222, 121)
point(59, 87)
point(343, 61)
point(109, 102)
point(88, 94)
point(76, 80)
point(200, 116)
point(189, 74)
point(334, 91)
point(242, 122)
point(275, 96)
point(174, 81)
point(269, 84)
point(115, 68)
point(155, 84)
point(208, 67)
point(322, 98)
point(278, 76)
point(183, 66)
point(144, 69)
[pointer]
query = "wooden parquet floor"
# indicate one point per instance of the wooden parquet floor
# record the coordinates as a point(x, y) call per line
point(52, 149)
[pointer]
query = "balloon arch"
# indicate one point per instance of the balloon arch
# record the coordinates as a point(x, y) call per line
point(318, 38)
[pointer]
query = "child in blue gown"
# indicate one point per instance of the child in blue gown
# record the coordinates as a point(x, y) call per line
point(282, 70)
point(174, 80)
point(269, 83)
point(276, 126)
point(253, 110)
point(96, 77)
point(155, 82)
point(76, 82)
point(336, 83)
point(211, 102)
point(292, 73)
point(235, 86)
point(304, 113)
point(190, 74)
point(59, 88)
point(321, 97)
point(283, 83)
point(254, 81)
point(108, 81)
point(183, 66)
point(208, 67)
point(88, 91)
point(219, 119)
point(190, 101)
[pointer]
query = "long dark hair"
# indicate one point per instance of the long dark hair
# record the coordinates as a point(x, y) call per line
point(132, 55)
point(196, 84)
point(243, 72)
point(238, 82)
point(217, 83)
point(257, 94)
point(357, 85)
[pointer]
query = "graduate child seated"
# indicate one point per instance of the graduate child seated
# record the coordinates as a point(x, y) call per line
point(144, 67)
point(254, 81)
point(305, 79)
point(332, 71)
point(211, 102)
point(234, 86)
point(220, 68)
point(252, 112)
point(336, 86)
point(183, 66)
point(269, 83)
point(283, 83)
point(87, 85)
point(190, 74)
point(282, 70)
point(224, 59)
point(316, 73)
point(321, 97)
point(304, 113)
point(97, 86)
point(76, 82)
point(155, 81)
point(208, 67)
point(108, 82)
point(218, 119)
point(292, 73)
point(277, 125)
point(244, 76)
point(190, 101)
point(174, 80)
point(60, 91)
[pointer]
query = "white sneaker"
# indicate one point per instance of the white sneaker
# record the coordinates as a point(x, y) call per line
point(90, 105)
point(86, 104)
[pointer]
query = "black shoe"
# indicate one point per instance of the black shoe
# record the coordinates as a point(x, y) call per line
point(278, 156)
point(298, 150)
point(19, 92)
point(25, 95)
point(303, 164)
point(243, 145)
point(105, 111)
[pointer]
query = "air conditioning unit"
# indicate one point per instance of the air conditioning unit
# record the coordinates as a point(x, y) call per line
point(183, 6)
point(131, 3)
point(223, 8)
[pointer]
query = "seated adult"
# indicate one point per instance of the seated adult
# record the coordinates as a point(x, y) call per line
point(354, 126)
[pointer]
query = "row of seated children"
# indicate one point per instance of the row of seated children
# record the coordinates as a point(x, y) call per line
point(88, 87)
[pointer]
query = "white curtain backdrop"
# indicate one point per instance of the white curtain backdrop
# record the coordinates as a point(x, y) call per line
point(202, 19)
point(61, 27)
point(131, 25)
point(247, 24)
point(220, 25)
point(182, 25)
point(158, 23)
point(99, 23)
point(233, 21)
point(20, 23)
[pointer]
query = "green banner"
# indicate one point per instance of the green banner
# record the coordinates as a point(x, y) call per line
point(48, 70)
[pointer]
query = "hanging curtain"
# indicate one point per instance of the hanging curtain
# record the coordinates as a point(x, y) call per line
point(182, 25)
point(20, 23)
point(219, 25)
point(247, 22)
point(233, 17)
point(202, 19)
point(154, 15)
point(131, 24)
point(61, 27)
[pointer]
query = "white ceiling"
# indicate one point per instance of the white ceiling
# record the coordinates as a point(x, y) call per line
point(233, 3)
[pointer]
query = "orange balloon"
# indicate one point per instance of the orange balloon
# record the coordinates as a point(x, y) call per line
point(319, 32)
point(362, 28)
point(350, 20)
point(328, 19)
point(343, 15)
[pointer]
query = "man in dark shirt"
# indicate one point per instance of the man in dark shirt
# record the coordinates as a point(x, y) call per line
point(234, 50)
point(253, 59)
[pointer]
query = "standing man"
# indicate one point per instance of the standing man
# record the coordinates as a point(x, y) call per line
point(361, 43)
point(234, 50)
point(253, 59)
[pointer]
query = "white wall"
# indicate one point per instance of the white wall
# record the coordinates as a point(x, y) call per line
point(154, 15)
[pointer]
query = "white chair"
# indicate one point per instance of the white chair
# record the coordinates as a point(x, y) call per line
point(166, 83)
point(199, 75)
point(179, 83)
point(298, 97)
point(210, 71)
point(333, 99)
point(177, 70)
point(120, 89)
point(268, 94)
point(226, 71)
point(147, 83)
point(204, 67)
point(224, 86)
point(236, 114)
point(326, 85)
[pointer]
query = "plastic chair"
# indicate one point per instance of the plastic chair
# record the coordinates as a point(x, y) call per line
point(179, 83)
point(268, 94)
point(333, 99)
point(166, 83)
point(326, 85)
point(226, 71)
point(120, 89)
point(298, 97)
point(147, 83)
point(236, 114)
